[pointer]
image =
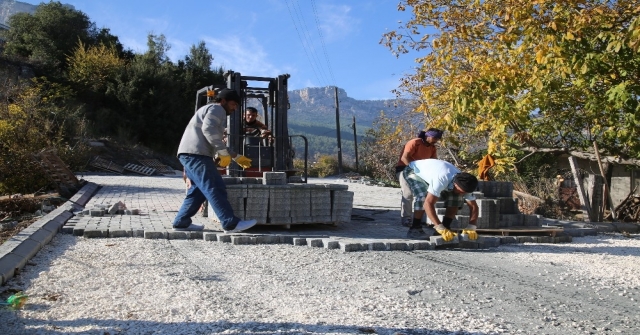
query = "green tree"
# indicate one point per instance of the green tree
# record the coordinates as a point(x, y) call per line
point(47, 36)
point(527, 75)
point(92, 67)
point(199, 58)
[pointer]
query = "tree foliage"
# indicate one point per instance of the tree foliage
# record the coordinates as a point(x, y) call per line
point(94, 66)
point(33, 118)
point(90, 87)
point(383, 145)
point(48, 35)
point(527, 74)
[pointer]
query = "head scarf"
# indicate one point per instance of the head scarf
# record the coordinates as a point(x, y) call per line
point(431, 132)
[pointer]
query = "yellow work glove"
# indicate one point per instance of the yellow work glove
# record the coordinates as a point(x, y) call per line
point(471, 232)
point(447, 235)
point(243, 161)
point(225, 160)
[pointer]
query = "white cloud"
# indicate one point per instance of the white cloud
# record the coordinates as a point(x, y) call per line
point(244, 55)
point(336, 22)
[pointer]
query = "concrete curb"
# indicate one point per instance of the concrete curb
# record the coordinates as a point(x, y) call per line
point(18, 250)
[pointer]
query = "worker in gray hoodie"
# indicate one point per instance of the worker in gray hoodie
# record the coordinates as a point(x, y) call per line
point(202, 140)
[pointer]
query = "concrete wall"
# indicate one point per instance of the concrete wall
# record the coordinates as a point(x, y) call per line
point(623, 178)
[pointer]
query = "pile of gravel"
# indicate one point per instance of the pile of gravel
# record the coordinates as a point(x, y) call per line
point(138, 286)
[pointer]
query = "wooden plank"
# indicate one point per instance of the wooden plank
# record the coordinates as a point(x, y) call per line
point(106, 165)
point(55, 168)
point(584, 202)
point(522, 230)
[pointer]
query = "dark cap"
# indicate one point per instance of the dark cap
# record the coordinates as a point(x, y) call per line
point(229, 95)
point(466, 181)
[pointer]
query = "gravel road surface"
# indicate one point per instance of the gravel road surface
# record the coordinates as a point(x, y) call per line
point(139, 286)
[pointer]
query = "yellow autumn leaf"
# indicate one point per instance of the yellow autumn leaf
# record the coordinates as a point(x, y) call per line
point(540, 57)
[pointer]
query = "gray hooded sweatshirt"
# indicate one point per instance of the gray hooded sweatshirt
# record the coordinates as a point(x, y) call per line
point(205, 132)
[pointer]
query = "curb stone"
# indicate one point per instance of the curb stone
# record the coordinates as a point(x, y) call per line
point(19, 249)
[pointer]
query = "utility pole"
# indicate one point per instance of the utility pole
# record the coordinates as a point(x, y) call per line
point(338, 131)
point(355, 140)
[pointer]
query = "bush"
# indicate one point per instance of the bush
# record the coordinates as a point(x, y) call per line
point(34, 118)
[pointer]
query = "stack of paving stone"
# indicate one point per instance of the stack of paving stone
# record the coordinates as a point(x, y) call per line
point(274, 202)
point(497, 208)
point(119, 208)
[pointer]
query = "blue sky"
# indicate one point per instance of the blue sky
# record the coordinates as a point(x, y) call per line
point(318, 42)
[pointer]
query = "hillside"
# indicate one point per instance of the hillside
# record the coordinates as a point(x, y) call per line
point(10, 7)
point(313, 114)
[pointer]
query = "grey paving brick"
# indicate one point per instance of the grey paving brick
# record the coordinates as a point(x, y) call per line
point(210, 237)
point(242, 240)
point(316, 242)
point(545, 239)
point(438, 240)
point(491, 241)
point(155, 235)
point(469, 245)
point(426, 245)
point(224, 238)
point(77, 231)
point(286, 239)
point(330, 244)
point(398, 245)
point(377, 246)
point(267, 239)
point(351, 246)
point(508, 239)
point(94, 233)
point(9, 264)
point(525, 239)
point(27, 249)
point(177, 235)
point(299, 241)
point(120, 233)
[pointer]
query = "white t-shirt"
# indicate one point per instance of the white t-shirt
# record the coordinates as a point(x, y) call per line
point(438, 174)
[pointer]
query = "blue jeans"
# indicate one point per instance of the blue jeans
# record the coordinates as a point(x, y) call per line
point(206, 184)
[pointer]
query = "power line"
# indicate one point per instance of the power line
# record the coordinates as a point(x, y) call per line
point(307, 35)
point(324, 49)
point(302, 41)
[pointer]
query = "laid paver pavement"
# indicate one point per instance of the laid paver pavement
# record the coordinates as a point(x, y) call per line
point(374, 224)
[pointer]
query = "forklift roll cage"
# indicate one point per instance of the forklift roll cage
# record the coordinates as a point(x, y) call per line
point(275, 104)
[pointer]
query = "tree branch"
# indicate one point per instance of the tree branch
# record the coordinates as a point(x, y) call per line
point(585, 155)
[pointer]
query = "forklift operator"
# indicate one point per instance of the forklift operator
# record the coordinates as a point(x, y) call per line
point(252, 126)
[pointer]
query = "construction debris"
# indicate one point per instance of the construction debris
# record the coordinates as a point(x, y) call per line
point(64, 179)
point(107, 165)
point(629, 209)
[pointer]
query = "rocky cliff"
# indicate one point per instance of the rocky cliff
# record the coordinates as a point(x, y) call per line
point(317, 104)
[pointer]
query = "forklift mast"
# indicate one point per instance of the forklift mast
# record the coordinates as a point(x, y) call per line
point(272, 95)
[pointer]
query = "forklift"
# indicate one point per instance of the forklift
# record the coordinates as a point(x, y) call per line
point(275, 154)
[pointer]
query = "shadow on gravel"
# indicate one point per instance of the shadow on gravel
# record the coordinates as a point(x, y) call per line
point(365, 223)
point(111, 326)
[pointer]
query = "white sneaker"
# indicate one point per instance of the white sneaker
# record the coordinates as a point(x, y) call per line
point(242, 225)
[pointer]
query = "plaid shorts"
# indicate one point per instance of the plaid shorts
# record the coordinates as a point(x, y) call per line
point(419, 189)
